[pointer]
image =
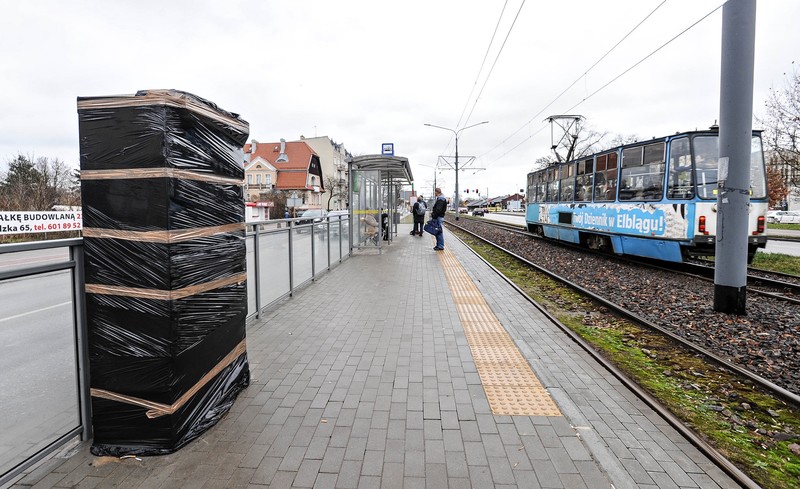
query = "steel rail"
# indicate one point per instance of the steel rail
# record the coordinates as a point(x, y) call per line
point(784, 394)
point(701, 271)
point(723, 463)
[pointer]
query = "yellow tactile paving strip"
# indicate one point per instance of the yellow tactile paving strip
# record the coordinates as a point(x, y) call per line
point(510, 385)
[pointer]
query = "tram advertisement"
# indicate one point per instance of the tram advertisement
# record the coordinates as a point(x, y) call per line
point(662, 220)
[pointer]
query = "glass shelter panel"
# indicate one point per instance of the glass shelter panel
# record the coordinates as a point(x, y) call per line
point(301, 255)
point(366, 206)
point(38, 365)
point(273, 262)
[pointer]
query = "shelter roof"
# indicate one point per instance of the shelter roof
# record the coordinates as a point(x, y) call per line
point(394, 168)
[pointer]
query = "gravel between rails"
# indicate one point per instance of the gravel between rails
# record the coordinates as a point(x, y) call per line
point(765, 341)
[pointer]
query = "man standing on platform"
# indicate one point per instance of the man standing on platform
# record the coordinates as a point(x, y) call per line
point(419, 210)
point(438, 212)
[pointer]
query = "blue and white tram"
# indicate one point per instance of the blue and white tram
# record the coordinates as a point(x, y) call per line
point(656, 199)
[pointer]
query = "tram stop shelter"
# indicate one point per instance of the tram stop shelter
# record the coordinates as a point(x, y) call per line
point(375, 204)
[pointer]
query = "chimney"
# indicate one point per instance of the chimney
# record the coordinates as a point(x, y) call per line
point(253, 144)
point(282, 157)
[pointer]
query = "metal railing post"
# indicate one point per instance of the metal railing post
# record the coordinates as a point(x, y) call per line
point(328, 230)
point(257, 271)
point(291, 265)
point(81, 341)
point(313, 253)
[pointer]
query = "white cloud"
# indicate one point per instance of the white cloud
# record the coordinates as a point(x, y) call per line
point(367, 72)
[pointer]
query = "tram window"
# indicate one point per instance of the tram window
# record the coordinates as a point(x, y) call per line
point(540, 186)
point(567, 174)
point(758, 181)
point(605, 184)
point(706, 154)
point(552, 186)
point(680, 182)
point(642, 175)
point(583, 182)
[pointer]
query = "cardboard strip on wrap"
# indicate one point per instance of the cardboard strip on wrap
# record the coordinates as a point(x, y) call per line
point(171, 236)
point(166, 295)
point(133, 173)
point(156, 409)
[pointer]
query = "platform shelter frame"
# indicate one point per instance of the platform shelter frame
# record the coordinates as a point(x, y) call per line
point(374, 197)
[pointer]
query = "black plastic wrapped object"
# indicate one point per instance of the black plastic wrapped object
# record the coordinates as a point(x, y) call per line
point(164, 244)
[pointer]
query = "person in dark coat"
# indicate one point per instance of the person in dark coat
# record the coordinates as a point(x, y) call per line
point(438, 212)
point(418, 210)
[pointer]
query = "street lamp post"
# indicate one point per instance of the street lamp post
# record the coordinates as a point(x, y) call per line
point(456, 133)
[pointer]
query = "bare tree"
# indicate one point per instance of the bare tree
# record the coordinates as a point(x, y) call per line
point(37, 185)
point(781, 124)
point(589, 141)
point(777, 187)
point(338, 189)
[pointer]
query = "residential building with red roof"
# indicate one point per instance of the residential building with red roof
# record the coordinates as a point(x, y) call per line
point(296, 167)
point(333, 157)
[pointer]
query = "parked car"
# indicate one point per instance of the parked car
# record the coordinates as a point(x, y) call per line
point(771, 216)
point(334, 217)
point(309, 217)
point(480, 211)
point(785, 217)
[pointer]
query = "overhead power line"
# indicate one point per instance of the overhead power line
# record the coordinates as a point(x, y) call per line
point(486, 80)
point(643, 59)
point(586, 72)
point(483, 63)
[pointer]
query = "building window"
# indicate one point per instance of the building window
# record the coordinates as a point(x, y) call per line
point(249, 179)
point(268, 179)
point(258, 179)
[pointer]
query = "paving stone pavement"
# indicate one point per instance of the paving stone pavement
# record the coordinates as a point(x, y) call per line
point(365, 379)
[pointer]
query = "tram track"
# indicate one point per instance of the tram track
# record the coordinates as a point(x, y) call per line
point(781, 392)
point(723, 463)
point(620, 310)
point(776, 285)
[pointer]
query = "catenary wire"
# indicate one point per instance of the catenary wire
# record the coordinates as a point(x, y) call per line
point(586, 72)
point(611, 81)
point(494, 63)
point(483, 63)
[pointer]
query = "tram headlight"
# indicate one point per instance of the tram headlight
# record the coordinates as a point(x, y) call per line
point(702, 225)
point(760, 225)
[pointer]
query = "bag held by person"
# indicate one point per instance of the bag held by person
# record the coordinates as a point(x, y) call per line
point(421, 208)
point(433, 227)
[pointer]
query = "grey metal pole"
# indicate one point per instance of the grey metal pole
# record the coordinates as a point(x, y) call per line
point(735, 135)
point(457, 199)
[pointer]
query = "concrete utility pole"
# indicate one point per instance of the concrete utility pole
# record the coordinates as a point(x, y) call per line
point(456, 133)
point(735, 136)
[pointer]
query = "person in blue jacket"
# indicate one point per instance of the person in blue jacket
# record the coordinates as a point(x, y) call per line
point(438, 212)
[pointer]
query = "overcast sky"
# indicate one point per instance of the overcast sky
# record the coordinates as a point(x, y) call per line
point(366, 72)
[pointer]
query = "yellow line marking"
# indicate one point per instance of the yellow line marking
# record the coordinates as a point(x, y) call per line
point(511, 387)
